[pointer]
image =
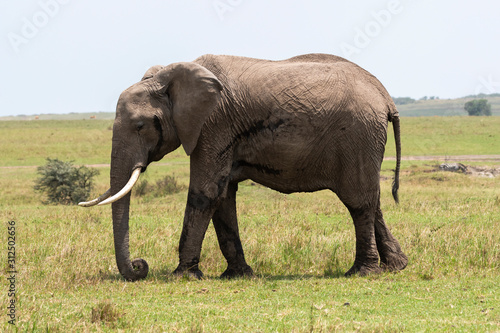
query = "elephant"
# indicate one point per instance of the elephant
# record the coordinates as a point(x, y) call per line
point(304, 124)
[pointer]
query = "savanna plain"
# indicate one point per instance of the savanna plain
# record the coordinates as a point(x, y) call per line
point(299, 245)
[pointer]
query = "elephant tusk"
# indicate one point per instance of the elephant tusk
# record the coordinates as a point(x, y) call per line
point(94, 202)
point(127, 188)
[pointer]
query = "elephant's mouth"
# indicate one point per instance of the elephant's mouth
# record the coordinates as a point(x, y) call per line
point(140, 166)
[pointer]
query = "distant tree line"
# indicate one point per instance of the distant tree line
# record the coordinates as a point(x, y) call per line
point(409, 100)
point(478, 107)
point(483, 95)
point(430, 98)
point(403, 100)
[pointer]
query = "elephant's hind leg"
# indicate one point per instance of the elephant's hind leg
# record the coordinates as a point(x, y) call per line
point(366, 261)
point(226, 226)
point(392, 257)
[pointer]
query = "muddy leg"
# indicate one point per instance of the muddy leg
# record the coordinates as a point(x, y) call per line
point(366, 261)
point(392, 257)
point(226, 226)
point(199, 211)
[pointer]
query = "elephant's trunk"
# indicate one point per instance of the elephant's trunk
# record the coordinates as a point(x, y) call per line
point(96, 201)
point(138, 268)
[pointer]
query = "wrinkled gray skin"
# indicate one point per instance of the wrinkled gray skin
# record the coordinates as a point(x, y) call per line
point(305, 124)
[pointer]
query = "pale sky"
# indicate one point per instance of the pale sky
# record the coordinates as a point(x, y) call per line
point(61, 56)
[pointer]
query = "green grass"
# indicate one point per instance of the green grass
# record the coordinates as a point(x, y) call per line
point(426, 136)
point(28, 143)
point(31, 142)
point(299, 246)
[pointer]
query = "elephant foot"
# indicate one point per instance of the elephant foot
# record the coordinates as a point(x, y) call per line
point(193, 272)
point(363, 270)
point(234, 272)
point(394, 261)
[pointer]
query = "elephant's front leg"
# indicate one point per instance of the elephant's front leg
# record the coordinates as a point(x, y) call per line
point(199, 211)
point(226, 226)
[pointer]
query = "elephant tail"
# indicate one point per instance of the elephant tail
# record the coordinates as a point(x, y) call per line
point(397, 138)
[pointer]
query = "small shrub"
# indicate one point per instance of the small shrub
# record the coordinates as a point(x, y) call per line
point(64, 183)
point(165, 186)
point(141, 188)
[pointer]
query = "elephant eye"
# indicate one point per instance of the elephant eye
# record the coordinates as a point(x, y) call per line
point(140, 125)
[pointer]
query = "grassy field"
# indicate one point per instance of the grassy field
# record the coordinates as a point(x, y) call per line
point(28, 143)
point(447, 136)
point(299, 245)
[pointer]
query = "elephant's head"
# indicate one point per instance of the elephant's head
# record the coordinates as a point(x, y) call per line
point(167, 108)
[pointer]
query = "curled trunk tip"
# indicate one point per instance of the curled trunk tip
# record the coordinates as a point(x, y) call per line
point(140, 269)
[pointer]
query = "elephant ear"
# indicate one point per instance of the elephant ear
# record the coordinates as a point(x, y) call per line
point(194, 92)
point(151, 72)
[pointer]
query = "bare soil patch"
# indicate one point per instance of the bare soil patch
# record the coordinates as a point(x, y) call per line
point(478, 171)
point(447, 158)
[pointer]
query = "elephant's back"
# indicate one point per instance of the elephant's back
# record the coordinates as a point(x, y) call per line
point(319, 84)
point(317, 57)
point(321, 88)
